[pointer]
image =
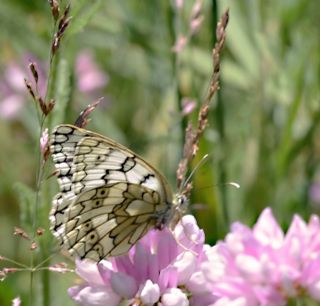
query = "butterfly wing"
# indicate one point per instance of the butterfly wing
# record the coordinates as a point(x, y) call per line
point(109, 220)
point(88, 163)
point(63, 142)
point(98, 163)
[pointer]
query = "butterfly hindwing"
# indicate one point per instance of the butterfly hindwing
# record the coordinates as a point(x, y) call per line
point(108, 220)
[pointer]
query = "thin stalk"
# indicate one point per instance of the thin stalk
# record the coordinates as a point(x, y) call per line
point(22, 266)
point(45, 253)
point(45, 278)
point(39, 177)
point(51, 81)
point(39, 265)
point(219, 118)
point(31, 287)
point(39, 180)
point(174, 25)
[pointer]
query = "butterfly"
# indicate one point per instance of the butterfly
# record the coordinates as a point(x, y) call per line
point(109, 196)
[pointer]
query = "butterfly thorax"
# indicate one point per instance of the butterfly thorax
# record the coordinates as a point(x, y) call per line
point(174, 212)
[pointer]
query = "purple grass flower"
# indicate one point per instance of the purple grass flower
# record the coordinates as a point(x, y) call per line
point(264, 266)
point(160, 268)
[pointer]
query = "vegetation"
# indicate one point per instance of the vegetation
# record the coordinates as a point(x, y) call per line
point(151, 61)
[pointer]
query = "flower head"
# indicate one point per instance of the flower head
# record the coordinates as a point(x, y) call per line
point(263, 266)
point(161, 267)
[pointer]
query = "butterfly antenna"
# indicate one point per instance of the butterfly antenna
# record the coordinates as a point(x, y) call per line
point(233, 184)
point(200, 163)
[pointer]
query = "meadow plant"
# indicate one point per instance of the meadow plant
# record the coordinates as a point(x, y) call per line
point(38, 88)
point(249, 267)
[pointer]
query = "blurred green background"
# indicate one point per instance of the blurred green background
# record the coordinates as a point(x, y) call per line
point(264, 123)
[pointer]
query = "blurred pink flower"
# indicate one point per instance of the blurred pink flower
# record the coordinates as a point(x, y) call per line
point(195, 24)
point(13, 90)
point(196, 17)
point(188, 105)
point(90, 77)
point(196, 8)
point(44, 141)
point(156, 270)
point(14, 77)
point(264, 266)
point(14, 93)
point(314, 192)
point(16, 301)
point(179, 3)
point(180, 44)
point(10, 106)
point(196, 20)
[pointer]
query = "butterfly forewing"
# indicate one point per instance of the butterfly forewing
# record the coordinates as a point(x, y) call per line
point(109, 219)
point(109, 197)
point(98, 163)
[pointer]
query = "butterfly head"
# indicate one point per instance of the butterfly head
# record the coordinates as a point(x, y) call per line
point(180, 203)
point(179, 207)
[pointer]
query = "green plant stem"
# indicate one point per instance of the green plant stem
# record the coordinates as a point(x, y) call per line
point(45, 277)
point(46, 194)
point(39, 177)
point(174, 28)
point(52, 76)
point(31, 288)
point(219, 118)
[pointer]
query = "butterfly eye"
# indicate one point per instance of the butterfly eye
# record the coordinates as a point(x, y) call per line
point(182, 202)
